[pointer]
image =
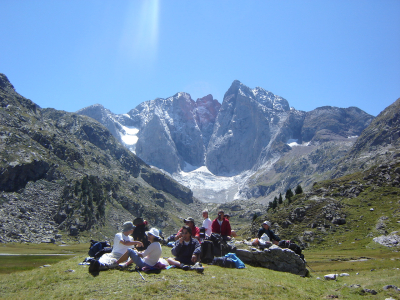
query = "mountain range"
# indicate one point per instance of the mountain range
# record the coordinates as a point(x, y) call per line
point(253, 145)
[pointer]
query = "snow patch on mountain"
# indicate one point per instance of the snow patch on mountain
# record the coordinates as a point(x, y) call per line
point(208, 187)
point(129, 136)
point(203, 178)
point(293, 143)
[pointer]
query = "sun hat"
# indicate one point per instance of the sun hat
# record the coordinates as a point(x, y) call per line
point(190, 219)
point(267, 223)
point(128, 226)
point(154, 231)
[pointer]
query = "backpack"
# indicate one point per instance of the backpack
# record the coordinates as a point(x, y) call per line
point(224, 262)
point(97, 249)
point(202, 232)
point(207, 252)
point(292, 246)
point(238, 263)
point(221, 247)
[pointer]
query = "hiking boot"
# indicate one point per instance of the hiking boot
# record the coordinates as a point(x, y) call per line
point(94, 266)
point(185, 267)
point(198, 267)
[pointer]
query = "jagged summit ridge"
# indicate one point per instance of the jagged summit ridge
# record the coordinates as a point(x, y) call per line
point(263, 97)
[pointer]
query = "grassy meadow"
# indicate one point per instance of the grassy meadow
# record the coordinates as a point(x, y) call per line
point(66, 279)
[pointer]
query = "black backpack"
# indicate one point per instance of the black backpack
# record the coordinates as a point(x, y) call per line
point(97, 249)
point(292, 246)
point(223, 261)
point(202, 233)
point(207, 252)
point(221, 247)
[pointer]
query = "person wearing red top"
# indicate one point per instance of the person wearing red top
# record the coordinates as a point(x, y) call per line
point(195, 230)
point(221, 226)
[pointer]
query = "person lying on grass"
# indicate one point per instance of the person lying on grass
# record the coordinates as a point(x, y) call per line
point(147, 258)
point(186, 250)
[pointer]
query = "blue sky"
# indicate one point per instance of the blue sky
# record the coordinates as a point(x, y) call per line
point(69, 54)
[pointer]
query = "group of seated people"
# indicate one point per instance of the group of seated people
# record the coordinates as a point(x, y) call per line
point(186, 249)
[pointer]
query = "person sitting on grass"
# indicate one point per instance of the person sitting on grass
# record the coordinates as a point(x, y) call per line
point(146, 258)
point(186, 251)
point(122, 242)
point(271, 235)
point(194, 229)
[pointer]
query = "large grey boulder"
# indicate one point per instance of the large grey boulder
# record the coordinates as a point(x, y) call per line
point(391, 240)
point(274, 258)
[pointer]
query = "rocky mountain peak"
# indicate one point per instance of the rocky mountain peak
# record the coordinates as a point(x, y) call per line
point(5, 84)
point(265, 98)
point(270, 100)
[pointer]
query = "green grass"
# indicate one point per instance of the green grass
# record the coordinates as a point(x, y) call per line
point(56, 282)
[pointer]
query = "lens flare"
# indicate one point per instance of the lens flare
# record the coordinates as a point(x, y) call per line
point(140, 33)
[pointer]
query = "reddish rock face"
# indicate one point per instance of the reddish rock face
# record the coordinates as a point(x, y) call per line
point(207, 110)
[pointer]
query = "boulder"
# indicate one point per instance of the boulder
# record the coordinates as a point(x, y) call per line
point(330, 276)
point(274, 258)
point(391, 240)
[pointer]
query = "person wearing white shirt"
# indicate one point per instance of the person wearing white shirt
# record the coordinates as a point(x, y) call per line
point(122, 242)
point(146, 258)
point(207, 222)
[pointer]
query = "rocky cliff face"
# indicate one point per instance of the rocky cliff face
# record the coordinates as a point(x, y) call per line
point(378, 143)
point(62, 173)
point(246, 123)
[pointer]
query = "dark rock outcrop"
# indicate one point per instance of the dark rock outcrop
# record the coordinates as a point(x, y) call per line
point(274, 258)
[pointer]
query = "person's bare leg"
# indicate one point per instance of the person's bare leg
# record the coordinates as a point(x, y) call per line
point(123, 258)
point(173, 262)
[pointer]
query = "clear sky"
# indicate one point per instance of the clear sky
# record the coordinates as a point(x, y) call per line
point(69, 54)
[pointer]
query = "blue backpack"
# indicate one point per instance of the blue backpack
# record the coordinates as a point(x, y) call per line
point(238, 263)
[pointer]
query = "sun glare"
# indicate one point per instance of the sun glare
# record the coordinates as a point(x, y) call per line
point(140, 33)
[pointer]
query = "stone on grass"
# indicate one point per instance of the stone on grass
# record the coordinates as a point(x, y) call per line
point(391, 240)
point(373, 292)
point(330, 276)
point(391, 286)
point(344, 274)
